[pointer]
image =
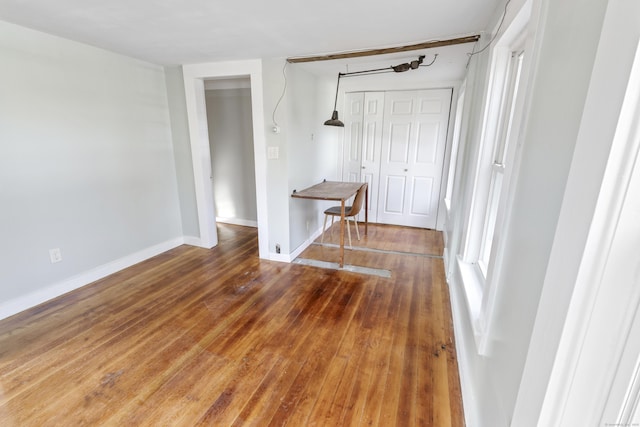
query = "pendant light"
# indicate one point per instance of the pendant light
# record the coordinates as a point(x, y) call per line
point(334, 121)
point(413, 65)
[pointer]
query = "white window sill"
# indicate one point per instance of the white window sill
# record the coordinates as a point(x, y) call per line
point(473, 285)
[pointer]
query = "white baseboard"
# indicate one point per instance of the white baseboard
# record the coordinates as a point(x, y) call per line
point(192, 241)
point(237, 221)
point(24, 302)
point(306, 244)
point(293, 255)
point(279, 257)
point(462, 329)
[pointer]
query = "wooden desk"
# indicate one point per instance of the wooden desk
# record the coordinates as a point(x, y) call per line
point(338, 191)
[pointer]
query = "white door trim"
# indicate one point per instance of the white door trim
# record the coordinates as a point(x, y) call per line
point(602, 312)
point(194, 77)
point(409, 169)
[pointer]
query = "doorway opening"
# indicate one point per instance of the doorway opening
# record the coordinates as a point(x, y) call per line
point(228, 104)
point(194, 80)
point(396, 141)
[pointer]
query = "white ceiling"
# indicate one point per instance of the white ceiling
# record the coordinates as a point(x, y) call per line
point(172, 32)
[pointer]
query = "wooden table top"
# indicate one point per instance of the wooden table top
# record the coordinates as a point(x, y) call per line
point(329, 190)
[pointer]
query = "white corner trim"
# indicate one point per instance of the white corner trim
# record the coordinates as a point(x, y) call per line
point(24, 302)
point(193, 241)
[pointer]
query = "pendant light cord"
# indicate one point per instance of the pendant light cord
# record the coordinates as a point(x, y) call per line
point(273, 116)
point(335, 103)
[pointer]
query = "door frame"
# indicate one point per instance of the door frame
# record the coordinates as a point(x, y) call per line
point(596, 368)
point(194, 76)
point(454, 86)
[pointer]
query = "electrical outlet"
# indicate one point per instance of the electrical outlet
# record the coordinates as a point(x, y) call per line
point(55, 255)
point(277, 248)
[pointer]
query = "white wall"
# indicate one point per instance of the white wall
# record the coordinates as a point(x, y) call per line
point(299, 102)
point(314, 151)
point(277, 169)
point(556, 336)
point(87, 163)
point(308, 151)
point(182, 151)
point(311, 159)
point(506, 385)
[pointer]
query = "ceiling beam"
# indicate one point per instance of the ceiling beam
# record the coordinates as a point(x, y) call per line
point(383, 51)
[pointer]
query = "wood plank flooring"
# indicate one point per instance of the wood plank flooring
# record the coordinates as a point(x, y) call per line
point(219, 337)
point(389, 238)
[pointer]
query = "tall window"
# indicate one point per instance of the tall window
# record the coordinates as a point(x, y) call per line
point(455, 145)
point(491, 164)
point(499, 158)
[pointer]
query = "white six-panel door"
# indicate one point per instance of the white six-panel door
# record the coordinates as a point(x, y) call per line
point(352, 153)
point(413, 146)
point(395, 141)
point(363, 142)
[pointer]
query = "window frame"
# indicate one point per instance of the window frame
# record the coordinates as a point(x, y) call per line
point(480, 285)
point(455, 145)
point(500, 158)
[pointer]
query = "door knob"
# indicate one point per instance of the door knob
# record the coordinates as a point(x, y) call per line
point(363, 167)
point(406, 170)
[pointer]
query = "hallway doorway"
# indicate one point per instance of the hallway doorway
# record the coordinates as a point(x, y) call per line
point(195, 76)
point(229, 118)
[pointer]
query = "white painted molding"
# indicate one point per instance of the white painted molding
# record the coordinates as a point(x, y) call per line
point(458, 309)
point(24, 302)
point(293, 255)
point(606, 297)
point(192, 241)
point(280, 257)
point(237, 221)
point(229, 83)
point(194, 77)
point(199, 137)
point(296, 253)
point(471, 281)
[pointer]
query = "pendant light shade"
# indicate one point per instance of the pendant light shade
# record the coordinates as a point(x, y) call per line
point(334, 121)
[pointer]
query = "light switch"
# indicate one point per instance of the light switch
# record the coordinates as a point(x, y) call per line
point(273, 152)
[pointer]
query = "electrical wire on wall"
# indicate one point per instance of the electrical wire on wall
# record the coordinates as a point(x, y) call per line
point(276, 127)
point(473, 52)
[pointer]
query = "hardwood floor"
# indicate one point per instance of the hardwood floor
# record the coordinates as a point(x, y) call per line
point(390, 238)
point(219, 337)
